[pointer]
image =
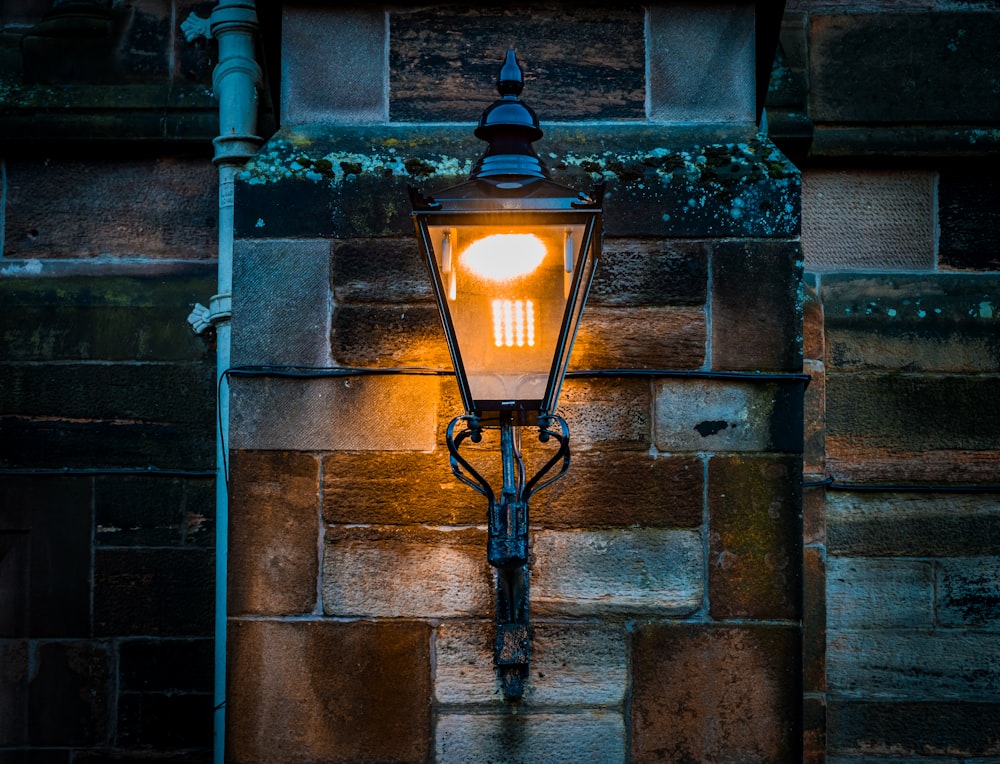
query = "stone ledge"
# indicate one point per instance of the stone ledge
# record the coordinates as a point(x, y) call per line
point(679, 181)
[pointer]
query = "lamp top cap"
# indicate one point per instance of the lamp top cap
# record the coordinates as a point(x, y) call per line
point(509, 111)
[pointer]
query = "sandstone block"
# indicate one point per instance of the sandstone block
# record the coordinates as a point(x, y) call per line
point(863, 67)
point(715, 693)
point(122, 208)
point(405, 573)
point(604, 79)
point(698, 415)
point(875, 593)
point(274, 532)
point(288, 682)
point(375, 270)
point(814, 620)
point(623, 489)
point(607, 414)
point(388, 335)
point(757, 305)
point(571, 665)
point(910, 664)
point(876, 219)
point(755, 536)
point(369, 413)
point(968, 592)
point(648, 338)
point(912, 525)
point(281, 302)
point(396, 488)
point(615, 572)
point(688, 80)
point(929, 728)
point(650, 273)
point(919, 323)
point(538, 738)
point(349, 87)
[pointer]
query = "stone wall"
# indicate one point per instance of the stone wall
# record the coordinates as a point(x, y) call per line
point(899, 232)
point(107, 516)
point(665, 567)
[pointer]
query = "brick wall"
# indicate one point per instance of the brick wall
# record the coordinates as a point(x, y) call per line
point(107, 516)
point(899, 229)
point(665, 567)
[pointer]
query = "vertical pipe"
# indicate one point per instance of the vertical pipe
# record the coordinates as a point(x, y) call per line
point(236, 81)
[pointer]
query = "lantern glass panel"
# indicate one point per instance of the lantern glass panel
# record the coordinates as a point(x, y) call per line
point(505, 289)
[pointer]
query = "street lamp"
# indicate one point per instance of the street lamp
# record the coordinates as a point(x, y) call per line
point(511, 256)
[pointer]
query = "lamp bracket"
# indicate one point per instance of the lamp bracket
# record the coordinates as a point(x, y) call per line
point(507, 542)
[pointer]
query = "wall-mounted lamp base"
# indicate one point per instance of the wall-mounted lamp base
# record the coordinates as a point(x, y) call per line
point(507, 544)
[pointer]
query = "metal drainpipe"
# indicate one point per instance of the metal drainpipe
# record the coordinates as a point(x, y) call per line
point(236, 81)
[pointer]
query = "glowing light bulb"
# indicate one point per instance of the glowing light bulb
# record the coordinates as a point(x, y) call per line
point(504, 256)
point(513, 323)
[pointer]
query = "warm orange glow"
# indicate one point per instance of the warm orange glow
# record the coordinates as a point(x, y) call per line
point(504, 256)
point(513, 323)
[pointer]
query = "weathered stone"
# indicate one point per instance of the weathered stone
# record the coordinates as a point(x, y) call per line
point(757, 306)
point(281, 303)
point(868, 219)
point(274, 533)
point(153, 592)
point(395, 488)
point(405, 573)
point(968, 592)
point(930, 728)
point(358, 413)
point(571, 665)
point(853, 57)
point(322, 181)
point(814, 620)
point(143, 510)
point(912, 664)
point(379, 270)
point(755, 537)
point(45, 567)
point(690, 79)
point(907, 413)
point(288, 682)
point(814, 416)
point(648, 338)
point(813, 510)
point(103, 319)
point(443, 63)
point(623, 489)
point(912, 524)
point(879, 594)
point(969, 219)
point(607, 414)
point(537, 738)
point(71, 694)
point(587, 573)
point(388, 335)
point(69, 208)
point(650, 273)
point(695, 415)
point(352, 85)
point(929, 322)
point(715, 693)
point(813, 325)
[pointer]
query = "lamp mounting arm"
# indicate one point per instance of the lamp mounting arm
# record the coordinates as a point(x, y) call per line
point(507, 542)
